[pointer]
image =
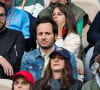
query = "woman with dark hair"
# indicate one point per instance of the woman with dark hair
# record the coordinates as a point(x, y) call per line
point(23, 80)
point(59, 73)
point(68, 37)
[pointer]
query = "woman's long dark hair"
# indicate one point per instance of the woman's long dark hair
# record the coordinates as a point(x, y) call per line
point(66, 79)
point(70, 19)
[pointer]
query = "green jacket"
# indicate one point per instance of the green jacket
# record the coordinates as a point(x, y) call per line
point(91, 85)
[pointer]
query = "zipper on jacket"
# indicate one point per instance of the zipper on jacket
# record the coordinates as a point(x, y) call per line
point(16, 50)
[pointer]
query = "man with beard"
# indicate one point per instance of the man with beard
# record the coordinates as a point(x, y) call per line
point(94, 84)
point(11, 47)
point(36, 61)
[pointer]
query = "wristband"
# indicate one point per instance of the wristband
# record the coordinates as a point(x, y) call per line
point(59, 37)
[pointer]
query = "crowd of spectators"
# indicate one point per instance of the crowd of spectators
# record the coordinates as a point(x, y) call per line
point(42, 48)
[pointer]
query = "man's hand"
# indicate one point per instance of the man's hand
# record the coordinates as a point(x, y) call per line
point(97, 59)
point(8, 70)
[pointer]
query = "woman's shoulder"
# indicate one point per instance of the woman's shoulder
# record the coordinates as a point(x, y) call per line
point(73, 36)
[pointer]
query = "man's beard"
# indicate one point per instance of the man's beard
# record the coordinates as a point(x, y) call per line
point(2, 26)
point(47, 47)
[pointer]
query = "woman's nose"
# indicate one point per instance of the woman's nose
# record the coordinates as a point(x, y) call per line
point(19, 85)
point(56, 59)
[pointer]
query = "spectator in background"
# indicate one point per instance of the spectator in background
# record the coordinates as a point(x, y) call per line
point(11, 47)
point(23, 80)
point(36, 61)
point(68, 37)
point(81, 16)
point(94, 84)
point(59, 73)
point(31, 6)
point(19, 20)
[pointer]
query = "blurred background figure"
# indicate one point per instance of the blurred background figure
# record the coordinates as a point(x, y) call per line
point(31, 6)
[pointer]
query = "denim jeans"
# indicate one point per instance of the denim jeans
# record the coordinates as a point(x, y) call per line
point(88, 75)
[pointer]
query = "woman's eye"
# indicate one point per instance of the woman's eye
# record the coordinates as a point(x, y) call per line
point(24, 83)
point(61, 58)
point(16, 83)
point(53, 14)
point(53, 57)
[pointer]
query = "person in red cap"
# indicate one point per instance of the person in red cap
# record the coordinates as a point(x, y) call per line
point(59, 73)
point(23, 80)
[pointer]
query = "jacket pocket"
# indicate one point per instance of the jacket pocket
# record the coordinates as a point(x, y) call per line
point(32, 67)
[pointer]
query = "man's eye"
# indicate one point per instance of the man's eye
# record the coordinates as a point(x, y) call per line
point(39, 33)
point(48, 33)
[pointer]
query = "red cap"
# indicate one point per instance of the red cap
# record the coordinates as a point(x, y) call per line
point(27, 75)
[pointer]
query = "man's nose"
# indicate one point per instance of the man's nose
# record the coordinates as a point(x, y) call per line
point(43, 36)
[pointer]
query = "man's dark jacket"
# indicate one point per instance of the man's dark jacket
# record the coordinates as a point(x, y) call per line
point(11, 48)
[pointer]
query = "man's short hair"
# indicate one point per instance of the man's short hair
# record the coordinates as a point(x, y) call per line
point(3, 5)
point(47, 20)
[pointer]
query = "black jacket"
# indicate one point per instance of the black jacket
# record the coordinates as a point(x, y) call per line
point(77, 85)
point(96, 52)
point(93, 34)
point(11, 48)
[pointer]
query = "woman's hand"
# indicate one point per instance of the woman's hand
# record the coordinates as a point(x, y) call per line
point(60, 27)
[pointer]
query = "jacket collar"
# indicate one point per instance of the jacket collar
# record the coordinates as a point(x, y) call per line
point(39, 52)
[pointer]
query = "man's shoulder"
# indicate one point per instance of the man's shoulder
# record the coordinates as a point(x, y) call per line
point(20, 11)
point(34, 53)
